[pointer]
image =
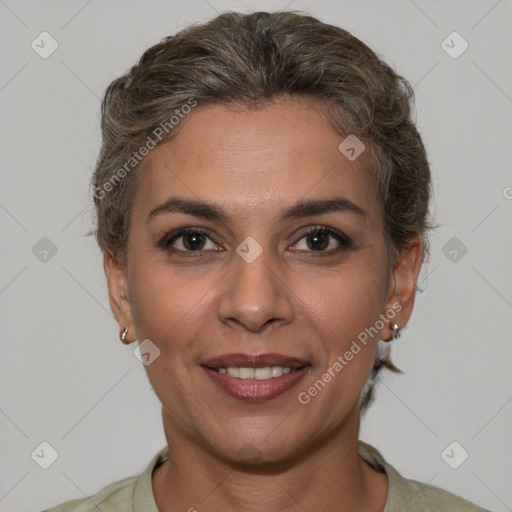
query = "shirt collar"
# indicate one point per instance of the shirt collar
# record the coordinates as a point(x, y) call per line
point(398, 491)
point(143, 498)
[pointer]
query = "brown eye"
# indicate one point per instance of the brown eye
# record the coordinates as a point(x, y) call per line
point(193, 242)
point(324, 240)
point(188, 240)
point(317, 241)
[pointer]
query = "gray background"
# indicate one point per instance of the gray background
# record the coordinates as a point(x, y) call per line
point(65, 377)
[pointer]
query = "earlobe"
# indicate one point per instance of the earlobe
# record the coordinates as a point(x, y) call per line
point(118, 295)
point(402, 288)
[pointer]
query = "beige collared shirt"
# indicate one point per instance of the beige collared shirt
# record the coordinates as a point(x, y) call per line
point(135, 493)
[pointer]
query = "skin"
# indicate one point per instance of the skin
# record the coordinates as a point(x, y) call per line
point(278, 454)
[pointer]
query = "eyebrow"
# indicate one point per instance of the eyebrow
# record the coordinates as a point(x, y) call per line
point(210, 211)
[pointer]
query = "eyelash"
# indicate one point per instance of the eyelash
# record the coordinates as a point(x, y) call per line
point(344, 241)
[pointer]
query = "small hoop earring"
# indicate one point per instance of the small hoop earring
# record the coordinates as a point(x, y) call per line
point(395, 329)
point(123, 335)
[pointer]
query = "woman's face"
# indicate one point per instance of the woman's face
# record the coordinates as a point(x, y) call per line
point(254, 283)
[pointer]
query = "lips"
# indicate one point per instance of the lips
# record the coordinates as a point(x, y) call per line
point(223, 371)
point(254, 361)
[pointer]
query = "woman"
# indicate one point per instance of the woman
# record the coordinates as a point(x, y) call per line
point(262, 203)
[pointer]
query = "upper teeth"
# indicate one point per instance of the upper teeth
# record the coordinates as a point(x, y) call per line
point(267, 372)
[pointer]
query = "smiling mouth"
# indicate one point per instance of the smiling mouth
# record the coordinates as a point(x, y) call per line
point(261, 373)
point(255, 378)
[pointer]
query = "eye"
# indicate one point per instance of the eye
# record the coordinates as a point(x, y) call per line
point(320, 239)
point(188, 240)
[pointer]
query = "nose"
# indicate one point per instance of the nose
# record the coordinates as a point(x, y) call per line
point(256, 294)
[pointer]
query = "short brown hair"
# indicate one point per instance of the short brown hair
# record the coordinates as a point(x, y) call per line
point(249, 60)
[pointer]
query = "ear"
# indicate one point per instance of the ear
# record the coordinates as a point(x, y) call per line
point(119, 296)
point(402, 287)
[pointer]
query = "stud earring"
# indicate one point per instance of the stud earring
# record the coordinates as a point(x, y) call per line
point(396, 330)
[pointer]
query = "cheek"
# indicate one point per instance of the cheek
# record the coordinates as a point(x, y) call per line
point(346, 347)
point(342, 309)
point(164, 302)
point(169, 309)
point(345, 301)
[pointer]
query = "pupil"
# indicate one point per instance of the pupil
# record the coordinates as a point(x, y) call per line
point(315, 238)
point(196, 244)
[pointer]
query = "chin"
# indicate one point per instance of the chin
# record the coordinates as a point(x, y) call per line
point(254, 455)
point(259, 447)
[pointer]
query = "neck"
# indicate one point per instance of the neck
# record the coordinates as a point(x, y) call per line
point(328, 477)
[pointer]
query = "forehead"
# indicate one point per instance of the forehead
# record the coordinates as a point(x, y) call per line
point(261, 159)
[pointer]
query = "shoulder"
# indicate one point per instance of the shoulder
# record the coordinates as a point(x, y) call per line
point(115, 497)
point(131, 493)
point(411, 495)
point(429, 498)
